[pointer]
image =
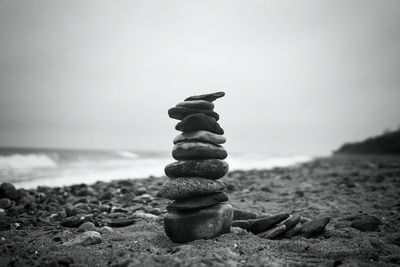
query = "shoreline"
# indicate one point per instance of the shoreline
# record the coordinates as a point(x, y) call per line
point(152, 170)
point(36, 228)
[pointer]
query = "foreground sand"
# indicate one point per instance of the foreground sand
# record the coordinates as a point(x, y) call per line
point(340, 187)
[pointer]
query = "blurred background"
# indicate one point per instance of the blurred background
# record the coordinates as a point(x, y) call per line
point(85, 85)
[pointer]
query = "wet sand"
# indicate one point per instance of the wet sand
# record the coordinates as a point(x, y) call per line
point(37, 228)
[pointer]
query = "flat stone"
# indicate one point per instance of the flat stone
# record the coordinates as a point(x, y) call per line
point(77, 220)
point(180, 113)
point(197, 202)
point(207, 97)
point(121, 222)
point(290, 222)
point(85, 239)
point(366, 223)
point(292, 232)
point(197, 150)
point(281, 227)
point(199, 121)
point(273, 232)
point(207, 168)
point(182, 227)
point(197, 104)
point(200, 136)
point(180, 188)
point(265, 223)
point(315, 227)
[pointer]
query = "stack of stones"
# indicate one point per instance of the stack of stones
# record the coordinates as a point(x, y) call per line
point(199, 209)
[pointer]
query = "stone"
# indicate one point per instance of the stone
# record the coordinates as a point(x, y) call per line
point(87, 226)
point(106, 230)
point(206, 168)
point(273, 232)
point(265, 223)
point(121, 222)
point(83, 206)
point(197, 202)
point(144, 216)
point(180, 188)
point(140, 191)
point(200, 136)
point(8, 190)
point(5, 203)
point(292, 232)
point(75, 221)
point(290, 222)
point(182, 227)
point(65, 261)
point(282, 227)
point(315, 227)
point(197, 122)
point(22, 193)
point(179, 113)
point(72, 210)
point(207, 97)
point(197, 150)
point(366, 223)
point(155, 211)
point(28, 202)
point(197, 104)
point(85, 239)
point(239, 214)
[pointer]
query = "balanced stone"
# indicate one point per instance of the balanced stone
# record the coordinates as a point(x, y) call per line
point(197, 202)
point(181, 188)
point(205, 223)
point(207, 168)
point(208, 97)
point(179, 113)
point(197, 122)
point(198, 150)
point(198, 104)
point(200, 136)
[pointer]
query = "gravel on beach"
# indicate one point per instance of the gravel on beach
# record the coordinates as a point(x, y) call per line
point(120, 223)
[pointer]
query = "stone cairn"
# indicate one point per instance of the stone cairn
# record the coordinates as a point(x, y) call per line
point(199, 209)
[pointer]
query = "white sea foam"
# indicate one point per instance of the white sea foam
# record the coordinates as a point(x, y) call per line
point(138, 168)
point(26, 161)
point(127, 154)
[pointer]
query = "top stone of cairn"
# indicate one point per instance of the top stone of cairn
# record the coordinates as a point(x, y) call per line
point(207, 97)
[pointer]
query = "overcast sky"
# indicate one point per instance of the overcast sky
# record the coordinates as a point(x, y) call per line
point(301, 77)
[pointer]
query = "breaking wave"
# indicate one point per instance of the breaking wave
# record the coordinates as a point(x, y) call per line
point(26, 161)
point(127, 154)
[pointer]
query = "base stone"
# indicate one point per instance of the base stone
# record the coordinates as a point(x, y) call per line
point(182, 227)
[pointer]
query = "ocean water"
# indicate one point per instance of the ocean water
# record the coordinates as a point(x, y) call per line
point(29, 168)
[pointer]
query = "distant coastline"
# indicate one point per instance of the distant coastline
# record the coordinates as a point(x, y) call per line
point(387, 143)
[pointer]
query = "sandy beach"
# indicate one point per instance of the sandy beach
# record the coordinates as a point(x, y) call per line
point(41, 227)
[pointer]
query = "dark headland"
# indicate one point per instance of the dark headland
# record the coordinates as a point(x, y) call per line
point(387, 143)
point(120, 223)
